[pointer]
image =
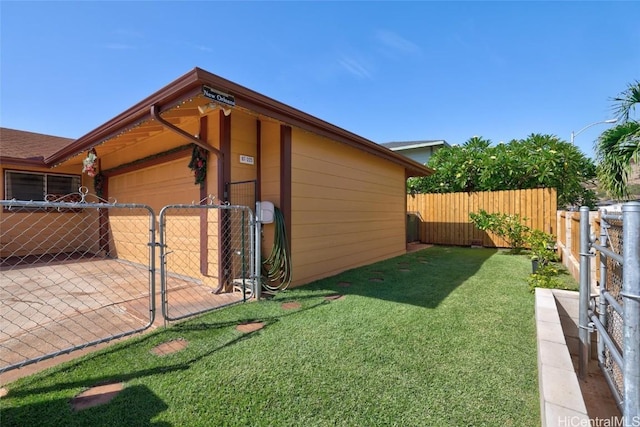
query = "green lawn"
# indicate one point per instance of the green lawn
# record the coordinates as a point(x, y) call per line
point(451, 342)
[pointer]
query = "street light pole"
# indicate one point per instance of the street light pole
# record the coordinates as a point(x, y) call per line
point(574, 134)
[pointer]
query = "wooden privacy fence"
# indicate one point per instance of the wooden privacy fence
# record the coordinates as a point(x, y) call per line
point(568, 239)
point(444, 218)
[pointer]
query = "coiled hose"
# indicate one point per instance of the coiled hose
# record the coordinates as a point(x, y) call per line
point(276, 269)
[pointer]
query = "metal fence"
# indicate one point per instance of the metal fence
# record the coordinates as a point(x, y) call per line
point(242, 193)
point(74, 274)
point(209, 245)
point(615, 312)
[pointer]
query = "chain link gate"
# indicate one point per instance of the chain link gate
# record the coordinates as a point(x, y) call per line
point(212, 248)
point(615, 312)
point(74, 274)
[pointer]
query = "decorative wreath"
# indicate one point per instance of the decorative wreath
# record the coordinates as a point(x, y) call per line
point(198, 164)
point(98, 184)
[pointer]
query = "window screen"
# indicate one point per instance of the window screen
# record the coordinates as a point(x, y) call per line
point(34, 186)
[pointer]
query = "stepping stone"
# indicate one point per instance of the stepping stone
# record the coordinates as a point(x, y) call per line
point(98, 395)
point(344, 284)
point(292, 305)
point(376, 279)
point(170, 347)
point(404, 269)
point(248, 327)
point(334, 297)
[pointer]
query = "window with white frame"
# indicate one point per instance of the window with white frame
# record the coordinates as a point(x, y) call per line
point(21, 185)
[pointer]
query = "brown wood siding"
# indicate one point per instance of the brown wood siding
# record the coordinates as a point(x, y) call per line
point(270, 175)
point(285, 179)
point(156, 186)
point(243, 142)
point(194, 237)
point(187, 246)
point(213, 139)
point(348, 208)
point(445, 217)
point(39, 233)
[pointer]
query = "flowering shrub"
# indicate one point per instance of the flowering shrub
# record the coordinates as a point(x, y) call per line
point(505, 226)
point(542, 246)
point(545, 277)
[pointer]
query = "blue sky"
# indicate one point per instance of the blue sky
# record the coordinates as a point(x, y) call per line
point(388, 71)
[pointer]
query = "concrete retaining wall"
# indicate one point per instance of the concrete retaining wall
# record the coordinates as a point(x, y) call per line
point(561, 399)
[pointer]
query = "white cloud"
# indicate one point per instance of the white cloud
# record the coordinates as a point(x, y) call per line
point(396, 43)
point(355, 67)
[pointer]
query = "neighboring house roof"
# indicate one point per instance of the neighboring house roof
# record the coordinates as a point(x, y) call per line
point(407, 145)
point(22, 147)
point(190, 86)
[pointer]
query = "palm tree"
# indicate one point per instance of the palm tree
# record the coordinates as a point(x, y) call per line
point(617, 147)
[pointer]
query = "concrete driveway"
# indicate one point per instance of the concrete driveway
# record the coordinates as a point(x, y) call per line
point(55, 307)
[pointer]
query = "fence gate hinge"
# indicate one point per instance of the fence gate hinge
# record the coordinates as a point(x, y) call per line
point(590, 327)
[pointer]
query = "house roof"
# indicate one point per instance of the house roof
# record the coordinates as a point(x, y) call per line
point(19, 146)
point(182, 97)
point(407, 145)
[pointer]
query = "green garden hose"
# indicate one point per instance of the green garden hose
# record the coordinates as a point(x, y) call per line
point(276, 270)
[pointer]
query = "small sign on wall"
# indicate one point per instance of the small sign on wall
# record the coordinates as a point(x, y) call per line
point(247, 160)
point(216, 95)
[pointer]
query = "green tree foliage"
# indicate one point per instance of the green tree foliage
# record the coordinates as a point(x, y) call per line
point(618, 146)
point(534, 162)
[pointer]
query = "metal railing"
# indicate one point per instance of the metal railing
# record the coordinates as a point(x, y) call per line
point(72, 275)
point(615, 312)
point(211, 245)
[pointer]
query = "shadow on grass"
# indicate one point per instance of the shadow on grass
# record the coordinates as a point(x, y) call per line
point(423, 278)
point(141, 403)
point(175, 331)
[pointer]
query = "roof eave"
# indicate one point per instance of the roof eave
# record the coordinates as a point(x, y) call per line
point(133, 115)
point(191, 83)
point(37, 162)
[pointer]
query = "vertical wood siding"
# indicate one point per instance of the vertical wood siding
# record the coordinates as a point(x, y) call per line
point(348, 208)
point(243, 142)
point(270, 175)
point(444, 218)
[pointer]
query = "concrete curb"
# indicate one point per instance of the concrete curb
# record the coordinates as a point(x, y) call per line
point(561, 400)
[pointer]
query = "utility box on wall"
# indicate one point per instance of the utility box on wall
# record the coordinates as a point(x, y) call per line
point(413, 227)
